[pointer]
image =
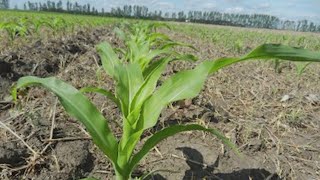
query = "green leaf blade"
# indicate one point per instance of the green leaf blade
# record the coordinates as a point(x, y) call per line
point(150, 83)
point(101, 91)
point(109, 58)
point(130, 79)
point(78, 106)
point(267, 52)
point(172, 130)
point(283, 52)
point(183, 85)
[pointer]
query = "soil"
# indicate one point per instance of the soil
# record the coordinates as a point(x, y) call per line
point(278, 140)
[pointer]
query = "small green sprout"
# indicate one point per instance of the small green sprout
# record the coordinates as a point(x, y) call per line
point(15, 29)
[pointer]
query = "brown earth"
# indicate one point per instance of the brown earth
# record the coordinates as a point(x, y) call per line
point(277, 139)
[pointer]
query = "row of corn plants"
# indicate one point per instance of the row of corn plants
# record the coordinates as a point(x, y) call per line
point(245, 39)
point(136, 70)
point(23, 25)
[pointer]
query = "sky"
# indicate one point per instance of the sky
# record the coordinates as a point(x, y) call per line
point(284, 9)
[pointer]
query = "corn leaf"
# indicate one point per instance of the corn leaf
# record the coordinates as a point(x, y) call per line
point(154, 37)
point(187, 84)
point(145, 60)
point(155, 26)
point(120, 33)
point(148, 70)
point(183, 85)
point(185, 57)
point(144, 92)
point(149, 84)
point(104, 92)
point(89, 178)
point(133, 52)
point(78, 106)
point(169, 45)
point(177, 57)
point(301, 66)
point(269, 51)
point(170, 131)
point(109, 59)
point(125, 153)
point(129, 81)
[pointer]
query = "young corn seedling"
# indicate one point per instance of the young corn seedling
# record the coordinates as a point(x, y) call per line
point(137, 96)
point(14, 29)
point(57, 24)
point(39, 23)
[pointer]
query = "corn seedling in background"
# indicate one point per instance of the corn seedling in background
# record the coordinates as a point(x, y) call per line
point(15, 28)
point(57, 24)
point(137, 96)
point(238, 46)
point(39, 23)
point(23, 24)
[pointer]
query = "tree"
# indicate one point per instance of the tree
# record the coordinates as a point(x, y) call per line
point(288, 25)
point(88, 8)
point(318, 28)
point(181, 16)
point(4, 4)
point(312, 27)
point(127, 10)
point(166, 15)
point(59, 6)
point(190, 16)
point(174, 15)
point(68, 6)
point(303, 25)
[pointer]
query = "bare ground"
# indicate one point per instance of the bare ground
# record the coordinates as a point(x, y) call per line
point(278, 139)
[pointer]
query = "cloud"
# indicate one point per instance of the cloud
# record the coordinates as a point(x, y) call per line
point(290, 4)
point(233, 1)
point(194, 4)
point(165, 5)
point(234, 10)
point(264, 6)
point(209, 6)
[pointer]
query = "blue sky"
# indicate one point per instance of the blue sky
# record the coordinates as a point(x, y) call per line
point(288, 9)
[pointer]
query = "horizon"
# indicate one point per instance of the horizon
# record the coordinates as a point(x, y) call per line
point(307, 9)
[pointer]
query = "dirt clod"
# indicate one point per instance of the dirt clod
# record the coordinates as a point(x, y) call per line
point(74, 158)
point(11, 153)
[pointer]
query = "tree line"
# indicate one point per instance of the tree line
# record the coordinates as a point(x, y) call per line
point(214, 17)
point(54, 6)
point(4, 4)
point(142, 12)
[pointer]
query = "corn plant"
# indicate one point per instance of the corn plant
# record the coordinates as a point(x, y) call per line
point(137, 96)
point(142, 40)
point(57, 24)
point(38, 23)
point(15, 28)
point(238, 46)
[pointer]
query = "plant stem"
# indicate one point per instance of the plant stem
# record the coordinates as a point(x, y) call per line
point(120, 176)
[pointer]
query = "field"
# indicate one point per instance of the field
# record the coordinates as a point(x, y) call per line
point(272, 113)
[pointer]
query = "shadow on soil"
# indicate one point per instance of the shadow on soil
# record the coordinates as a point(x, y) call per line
point(198, 170)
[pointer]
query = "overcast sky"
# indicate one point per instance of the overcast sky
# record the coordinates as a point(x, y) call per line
point(287, 9)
